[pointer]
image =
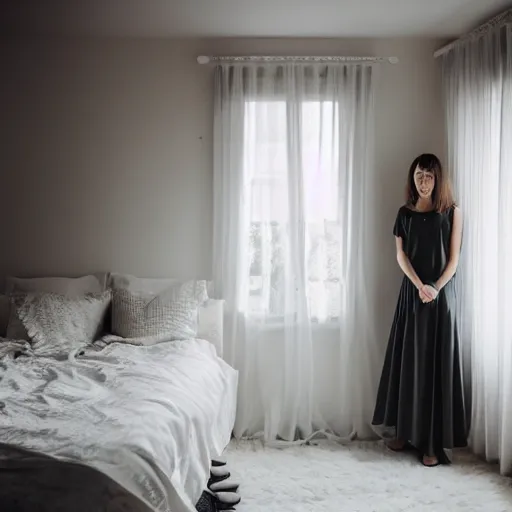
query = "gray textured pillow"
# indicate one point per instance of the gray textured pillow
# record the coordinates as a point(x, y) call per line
point(171, 315)
point(57, 324)
point(69, 286)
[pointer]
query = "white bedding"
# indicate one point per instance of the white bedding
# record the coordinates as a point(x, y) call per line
point(148, 418)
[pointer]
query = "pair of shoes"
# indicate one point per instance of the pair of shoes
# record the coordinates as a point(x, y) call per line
point(406, 447)
point(221, 493)
point(436, 463)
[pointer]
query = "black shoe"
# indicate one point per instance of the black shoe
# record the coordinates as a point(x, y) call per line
point(215, 479)
point(227, 500)
point(224, 486)
point(219, 471)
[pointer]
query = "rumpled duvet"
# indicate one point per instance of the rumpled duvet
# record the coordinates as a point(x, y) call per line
point(121, 428)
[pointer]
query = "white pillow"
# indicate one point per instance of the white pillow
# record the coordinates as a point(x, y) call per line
point(145, 285)
point(153, 285)
point(69, 286)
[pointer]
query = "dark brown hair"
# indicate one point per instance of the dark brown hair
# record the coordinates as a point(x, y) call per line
point(442, 196)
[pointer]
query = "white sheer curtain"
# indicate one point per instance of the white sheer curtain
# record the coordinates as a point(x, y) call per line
point(478, 87)
point(292, 151)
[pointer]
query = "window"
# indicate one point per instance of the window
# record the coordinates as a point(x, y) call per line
point(292, 179)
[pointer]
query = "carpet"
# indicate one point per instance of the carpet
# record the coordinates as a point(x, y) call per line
point(361, 477)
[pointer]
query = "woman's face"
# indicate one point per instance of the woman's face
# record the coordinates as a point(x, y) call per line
point(424, 181)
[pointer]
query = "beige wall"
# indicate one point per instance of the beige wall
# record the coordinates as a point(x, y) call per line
point(107, 153)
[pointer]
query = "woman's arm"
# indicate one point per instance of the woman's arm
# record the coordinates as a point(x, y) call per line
point(405, 264)
point(455, 243)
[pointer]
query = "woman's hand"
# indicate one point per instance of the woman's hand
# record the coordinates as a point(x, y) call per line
point(428, 293)
point(424, 298)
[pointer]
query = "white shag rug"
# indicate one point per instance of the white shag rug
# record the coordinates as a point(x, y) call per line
point(361, 477)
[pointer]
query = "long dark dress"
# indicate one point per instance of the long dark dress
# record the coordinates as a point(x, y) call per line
point(420, 397)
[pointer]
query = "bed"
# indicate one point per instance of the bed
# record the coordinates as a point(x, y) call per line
point(112, 426)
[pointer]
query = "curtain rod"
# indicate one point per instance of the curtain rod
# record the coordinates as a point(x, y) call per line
point(505, 18)
point(207, 59)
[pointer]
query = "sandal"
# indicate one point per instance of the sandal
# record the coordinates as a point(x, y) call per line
point(404, 447)
point(434, 459)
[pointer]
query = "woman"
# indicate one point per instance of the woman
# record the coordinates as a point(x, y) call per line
point(420, 399)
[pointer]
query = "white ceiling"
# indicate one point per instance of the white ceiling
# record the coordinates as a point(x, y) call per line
point(248, 18)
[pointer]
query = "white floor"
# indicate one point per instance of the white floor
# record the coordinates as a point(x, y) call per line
point(361, 477)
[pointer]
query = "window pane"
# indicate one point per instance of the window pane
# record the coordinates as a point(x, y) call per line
point(266, 167)
point(320, 159)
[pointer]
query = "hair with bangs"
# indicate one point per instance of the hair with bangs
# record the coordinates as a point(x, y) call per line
point(442, 196)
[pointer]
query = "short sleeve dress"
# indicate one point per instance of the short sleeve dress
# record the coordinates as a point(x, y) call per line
point(420, 397)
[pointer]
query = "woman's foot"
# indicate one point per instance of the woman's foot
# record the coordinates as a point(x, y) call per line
point(430, 462)
point(397, 445)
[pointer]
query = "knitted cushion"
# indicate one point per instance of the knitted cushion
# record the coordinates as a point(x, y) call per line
point(171, 314)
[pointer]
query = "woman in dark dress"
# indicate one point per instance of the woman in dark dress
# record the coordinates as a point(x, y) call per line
point(420, 400)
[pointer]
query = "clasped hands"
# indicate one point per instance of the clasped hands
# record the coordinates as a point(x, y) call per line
point(427, 293)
